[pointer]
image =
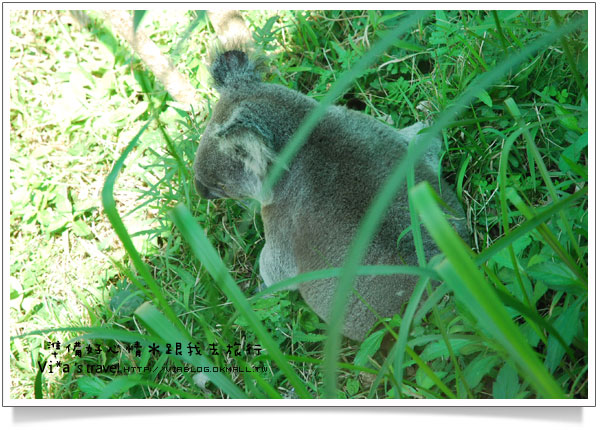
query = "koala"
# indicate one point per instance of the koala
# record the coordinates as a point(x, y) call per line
point(312, 213)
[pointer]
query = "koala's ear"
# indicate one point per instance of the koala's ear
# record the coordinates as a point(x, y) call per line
point(244, 119)
point(233, 68)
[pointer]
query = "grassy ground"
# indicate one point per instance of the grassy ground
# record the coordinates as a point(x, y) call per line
point(78, 97)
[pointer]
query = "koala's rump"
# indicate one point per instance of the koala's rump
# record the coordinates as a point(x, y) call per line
point(384, 294)
point(321, 240)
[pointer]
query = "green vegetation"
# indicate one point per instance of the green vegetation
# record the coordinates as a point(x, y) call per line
point(109, 244)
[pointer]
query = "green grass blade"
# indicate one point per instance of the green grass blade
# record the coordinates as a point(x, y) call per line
point(436, 380)
point(502, 38)
point(532, 148)
point(38, 391)
point(570, 60)
point(110, 208)
point(529, 225)
point(158, 324)
point(138, 15)
point(508, 144)
point(163, 331)
point(550, 238)
point(204, 251)
point(123, 383)
point(471, 287)
point(382, 270)
point(407, 319)
point(95, 333)
point(527, 312)
point(385, 196)
point(119, 385)
point(396, 355)
point(200, 19)
point(504, 211)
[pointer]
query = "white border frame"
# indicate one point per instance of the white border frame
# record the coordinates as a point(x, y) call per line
point(591, 401)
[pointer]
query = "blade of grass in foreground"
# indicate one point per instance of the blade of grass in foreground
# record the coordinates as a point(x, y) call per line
point(396, 354)
point(336, 272)
point(471, 287)
point(371, 221)
point(204, 251)
point(123, 383)
point(110, 208)
point(581, 272)
point(508, 144)
point(401, 343)
point(96, 333)
point(549, 238)
point(158, 324)
point(529, 225)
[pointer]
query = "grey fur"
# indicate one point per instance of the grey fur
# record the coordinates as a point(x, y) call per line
point(314, 210)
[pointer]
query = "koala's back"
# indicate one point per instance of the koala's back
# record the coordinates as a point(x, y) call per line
point(323, 198)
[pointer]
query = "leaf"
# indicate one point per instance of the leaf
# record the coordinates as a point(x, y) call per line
point(572, 153)
point(91, 385)
point(567, 325)
point(266, 30)
point(57, 224)
point(526, 311)
point(139, 109)
point(126, 301)
point(485, 97)
point(507, 384)
point(369, 347)
point(61, 201)
point(503, 257)
point(352, 386)
point(423, 379)
point(120, 385)
point(553, 273)
point(81, 229)
point(439, 348)
point(408, 46)
point(300, 336)
point(441, 17)
point(85, 205)
point(567, 119)
point(478, 368)
point(78, 149)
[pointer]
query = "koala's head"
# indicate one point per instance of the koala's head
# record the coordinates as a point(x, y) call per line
point(233, 155)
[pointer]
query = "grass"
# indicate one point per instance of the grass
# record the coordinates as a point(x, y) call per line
point(510, 318)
